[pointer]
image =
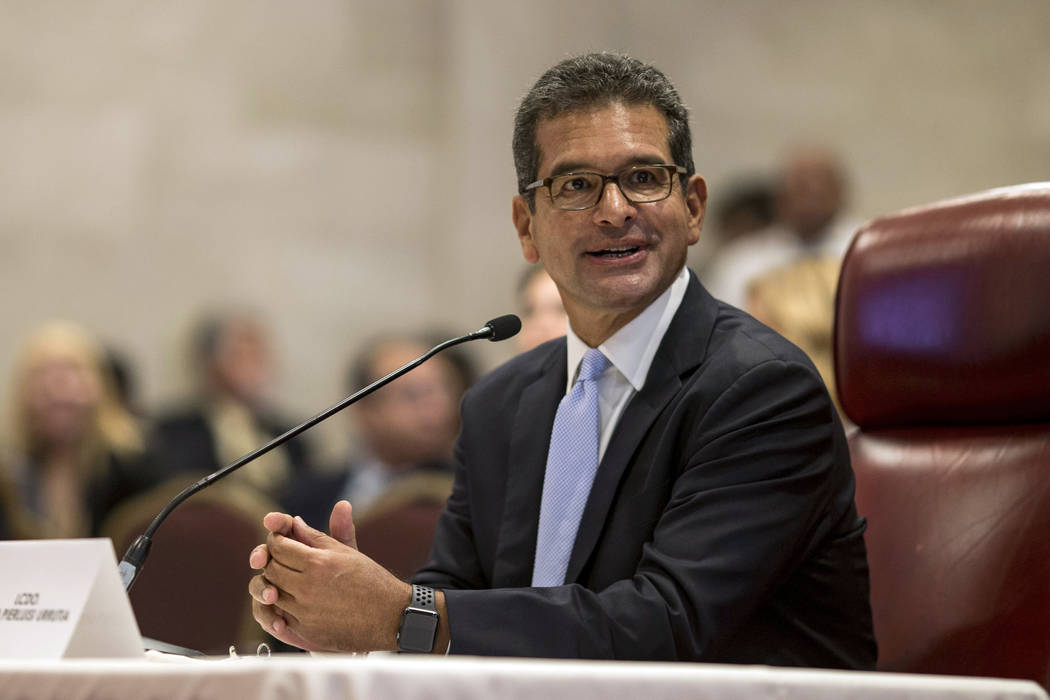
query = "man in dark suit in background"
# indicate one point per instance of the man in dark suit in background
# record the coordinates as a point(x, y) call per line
point(668, 482)
point(229, 414)
point(399, 473)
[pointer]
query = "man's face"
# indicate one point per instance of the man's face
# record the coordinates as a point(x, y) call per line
point(811, 193)
point(614, 259)
point(240, 366)
point(415, 419)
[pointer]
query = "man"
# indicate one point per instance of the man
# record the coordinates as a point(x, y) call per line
point(403, 460)
point(230, 415)
point(718, 523)
point(405, 428)
point(811, 197)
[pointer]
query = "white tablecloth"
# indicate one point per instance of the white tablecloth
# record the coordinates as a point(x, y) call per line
point(391, 677)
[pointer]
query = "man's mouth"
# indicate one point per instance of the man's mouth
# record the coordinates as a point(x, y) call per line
point(617, 252)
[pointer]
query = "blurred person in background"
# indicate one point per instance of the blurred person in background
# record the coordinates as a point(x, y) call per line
point(748, 206)
point(74, 452)
point(125, 382)
point(798, 301)
point(461, 360)
point(230, 414)
point(406, 428)
point(542, 314)
point(811, 199)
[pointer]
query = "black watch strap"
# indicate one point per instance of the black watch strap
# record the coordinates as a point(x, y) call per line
point(419, 622)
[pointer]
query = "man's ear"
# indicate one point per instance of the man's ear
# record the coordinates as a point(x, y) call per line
point(696, 202)
point(523, 216)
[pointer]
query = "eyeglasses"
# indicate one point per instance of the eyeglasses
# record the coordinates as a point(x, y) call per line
point(639, 184)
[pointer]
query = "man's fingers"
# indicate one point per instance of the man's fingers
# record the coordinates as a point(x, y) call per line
point(278, 522)
point(280, 624)
point(262, 591)
point(291, 632)
point(290, 620)
point(268, 618)
point(259, 557)
point(266, 592)
point(290, 552)
point(284, 578)
point(341, 524)
point(308, 535)
point(284, 627)
point(274, 622)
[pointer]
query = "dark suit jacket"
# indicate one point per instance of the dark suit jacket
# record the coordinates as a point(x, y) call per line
point(314, 495)
point(720, 527)
point(116, 478)
point(182, 442)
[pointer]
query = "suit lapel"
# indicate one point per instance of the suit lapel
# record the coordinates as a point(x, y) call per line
point(634, 423)
point(526, 465)
point(681, 350)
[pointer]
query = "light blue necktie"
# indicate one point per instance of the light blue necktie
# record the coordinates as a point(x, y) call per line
point(571, 464)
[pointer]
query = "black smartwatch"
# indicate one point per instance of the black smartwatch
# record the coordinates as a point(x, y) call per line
point(419, 622)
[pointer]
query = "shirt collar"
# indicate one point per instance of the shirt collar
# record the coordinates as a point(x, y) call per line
point(632, 348)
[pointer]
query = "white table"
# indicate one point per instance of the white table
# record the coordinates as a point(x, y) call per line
point(395, 677)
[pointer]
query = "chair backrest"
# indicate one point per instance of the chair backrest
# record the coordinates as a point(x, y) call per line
point(942, 353)
point(193, 590)
point(398, 529)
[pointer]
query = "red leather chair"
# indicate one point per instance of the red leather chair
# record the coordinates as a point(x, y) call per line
point(942, 353)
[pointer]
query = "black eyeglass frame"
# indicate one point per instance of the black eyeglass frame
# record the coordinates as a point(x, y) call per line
point(606, 179)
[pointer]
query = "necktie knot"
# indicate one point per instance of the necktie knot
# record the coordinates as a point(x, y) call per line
point(592, 365)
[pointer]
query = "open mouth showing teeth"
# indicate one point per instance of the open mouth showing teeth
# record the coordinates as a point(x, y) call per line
point(622, 252)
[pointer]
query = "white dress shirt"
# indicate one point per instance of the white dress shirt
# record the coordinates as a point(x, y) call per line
point(630, 350)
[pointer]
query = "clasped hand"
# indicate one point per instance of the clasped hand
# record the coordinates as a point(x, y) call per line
point(320, 593)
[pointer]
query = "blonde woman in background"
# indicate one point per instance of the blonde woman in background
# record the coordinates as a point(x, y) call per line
point(72, 452)
point(798, 301)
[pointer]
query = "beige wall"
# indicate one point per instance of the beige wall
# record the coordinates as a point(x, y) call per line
point(346, 166)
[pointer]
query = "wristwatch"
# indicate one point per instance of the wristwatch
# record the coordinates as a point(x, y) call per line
point(419, 622)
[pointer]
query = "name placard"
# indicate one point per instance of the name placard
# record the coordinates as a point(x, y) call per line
point(63, 599)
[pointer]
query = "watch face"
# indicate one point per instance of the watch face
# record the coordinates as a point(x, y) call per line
point(418, 628)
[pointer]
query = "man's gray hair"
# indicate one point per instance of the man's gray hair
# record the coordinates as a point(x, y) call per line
point(593, 80)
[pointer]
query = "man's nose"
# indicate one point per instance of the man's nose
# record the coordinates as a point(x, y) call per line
point(613, 209)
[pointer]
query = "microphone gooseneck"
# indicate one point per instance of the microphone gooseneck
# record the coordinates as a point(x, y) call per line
point(131, 565)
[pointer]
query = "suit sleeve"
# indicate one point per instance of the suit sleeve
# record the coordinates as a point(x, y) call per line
point(759, 468)
point(454, 560)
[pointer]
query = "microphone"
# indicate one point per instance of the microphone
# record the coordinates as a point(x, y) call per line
point(500, 328)
point(134, 559)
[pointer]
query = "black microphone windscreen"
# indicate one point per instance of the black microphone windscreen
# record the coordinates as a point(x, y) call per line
point(504, 327)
